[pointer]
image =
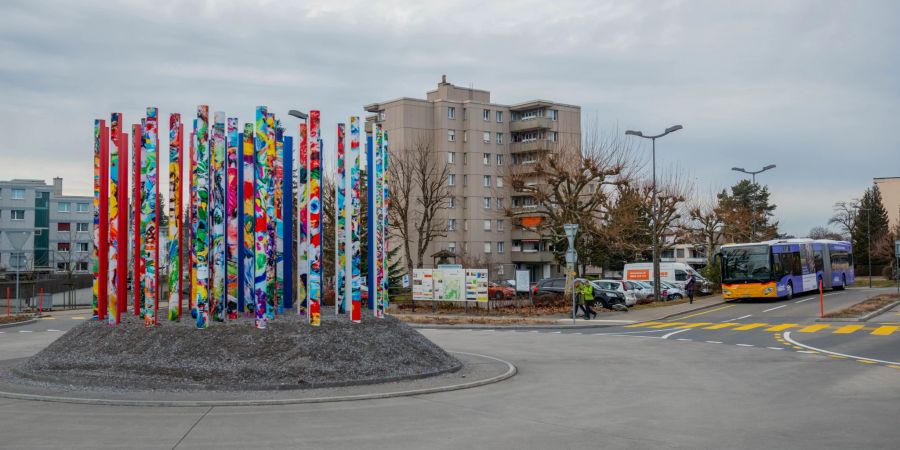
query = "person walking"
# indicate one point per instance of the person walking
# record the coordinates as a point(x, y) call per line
point(690, 286)
point(587, 296)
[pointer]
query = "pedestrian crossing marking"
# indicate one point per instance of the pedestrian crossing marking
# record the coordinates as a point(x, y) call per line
point(750, 326)
point(666, 325)
point(885, 330)
point(813, 328)
point(692, 325)
point(48, 318)
point(782, 327)
point(644, 324)
point(719, 326)
point(847, 329)
point(77, 318)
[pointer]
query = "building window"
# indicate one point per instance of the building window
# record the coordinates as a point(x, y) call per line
point(82, 247)
point(451, 157)
point(451, 247)
point(451, 224)
point(62, 266)
point(465, 180)
point(17, 260)
point(381, 115)
point(81, 227)
point(465, 158)
point(551, 136)
point(451, 135)
point(465, 136)
point(465, 225)
point(17, 214)
point(487, 247)
point(83, 266)
point(487, 203)
point(18, 194)
point(83, 207)
point(486, 137)
point(499, 159)
point(62, 246)
point(486, 159)
point(499, 202)
point(499, 116)
point(553, 114)
point(501, 225)
point(500, 269)
point(499, 138)
point(499, 247)
point(62, 207)
point(451, 112)
point(487, 115)
point(499, 182)
point(487, 225)
point(451, 180)
point(679, 253)
point(451, 202)
point(63, 226)
point(486, 181)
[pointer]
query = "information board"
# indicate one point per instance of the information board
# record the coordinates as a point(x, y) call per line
point(423, 285)
point(477, 285)
point(523, 280)
point(449, 285)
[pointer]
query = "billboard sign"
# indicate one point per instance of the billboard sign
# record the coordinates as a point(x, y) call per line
point(423, 285)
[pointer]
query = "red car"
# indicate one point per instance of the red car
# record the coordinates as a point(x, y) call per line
point(501, 291)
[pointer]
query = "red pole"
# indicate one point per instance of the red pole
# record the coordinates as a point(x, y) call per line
point(8, 297)
point(136, 220)
point(821, 301)
point(122, 269)
point(103, 255)
point(41, 301)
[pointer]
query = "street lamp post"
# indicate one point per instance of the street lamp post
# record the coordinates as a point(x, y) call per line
point(752, 174)
point(671, 129)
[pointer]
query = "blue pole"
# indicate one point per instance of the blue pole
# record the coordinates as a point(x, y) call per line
point(240, 199)
point(372, 266)
point(288, 223)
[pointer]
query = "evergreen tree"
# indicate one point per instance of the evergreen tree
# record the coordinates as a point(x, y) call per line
point(866, 227)
point(746, 213)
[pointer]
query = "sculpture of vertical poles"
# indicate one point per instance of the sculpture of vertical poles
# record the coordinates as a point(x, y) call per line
point(114, 237)
point(340, 216)
point(288, 224)
point(270, 213)
point(353, 213)
point(249, 226)
point(302, 299)
point(149, 217)
point(175, 216)
point(261, 219)
point(314, 211)
point(137, 275)
point(191, 222)
point(385, 202)
point(278, 203)
point(378, 209)
point(232, 243)
point(122, 200)
point(96, 258)
point(217, 216)
point(201, 219)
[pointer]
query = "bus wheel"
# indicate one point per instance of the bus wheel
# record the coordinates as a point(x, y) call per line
point(790, 291)
point(843, 283)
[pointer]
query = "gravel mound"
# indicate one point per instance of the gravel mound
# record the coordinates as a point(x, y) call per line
point(289, 354)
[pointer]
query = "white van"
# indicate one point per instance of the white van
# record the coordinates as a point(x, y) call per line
point(675, 273)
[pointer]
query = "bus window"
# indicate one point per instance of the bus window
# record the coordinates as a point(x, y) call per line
point(820, 263)
point(796, 264)
point(778, 265)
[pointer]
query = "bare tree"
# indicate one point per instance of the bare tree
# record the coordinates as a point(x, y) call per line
point(845, 216)
point(820, 232)
point(419, 190)
point(706, 224)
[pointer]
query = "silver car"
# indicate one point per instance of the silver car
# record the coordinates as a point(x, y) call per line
point(632, 295)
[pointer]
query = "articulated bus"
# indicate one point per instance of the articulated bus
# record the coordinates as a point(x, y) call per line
point(782, 268)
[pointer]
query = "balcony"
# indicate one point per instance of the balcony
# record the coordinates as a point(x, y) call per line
point(538, 145)
point(530, 257)
point(536, 123)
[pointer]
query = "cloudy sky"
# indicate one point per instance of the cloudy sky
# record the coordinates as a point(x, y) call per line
point(811, 86)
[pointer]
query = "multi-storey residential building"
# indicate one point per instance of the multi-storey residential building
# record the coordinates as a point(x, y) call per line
point(482, 143)
point(59, 228)
point(890, 197)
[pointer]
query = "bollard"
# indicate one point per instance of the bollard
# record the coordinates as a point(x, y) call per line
point(821, 300)
point(41, 302)
point(7, 301)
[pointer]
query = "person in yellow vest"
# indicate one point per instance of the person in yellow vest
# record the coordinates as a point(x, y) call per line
point(586, 291)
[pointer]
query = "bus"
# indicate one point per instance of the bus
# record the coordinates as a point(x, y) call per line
point(781, 268)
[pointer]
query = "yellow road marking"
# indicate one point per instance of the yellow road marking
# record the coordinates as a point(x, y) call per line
point(48, 318)
point(885, 331)
point(865, 361)
point(782, 327)
point(708, 311)
point(77, 318)
point(644, 324)
point(719, 326)
point(692, 325)
point(751, 326)
point(837, 356)
point(668, 324)
point(847, 329)
point(893, 366)
point(813, 328)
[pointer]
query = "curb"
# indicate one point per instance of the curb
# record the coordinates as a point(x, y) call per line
point(511, 371)
point(15, 324)
point(864, 318)
point(701, 308)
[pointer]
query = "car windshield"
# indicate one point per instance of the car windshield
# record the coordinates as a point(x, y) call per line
point(750, 262)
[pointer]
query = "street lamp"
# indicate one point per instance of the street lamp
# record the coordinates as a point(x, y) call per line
point(868, 240)
point(671, 129)
point(752, 174)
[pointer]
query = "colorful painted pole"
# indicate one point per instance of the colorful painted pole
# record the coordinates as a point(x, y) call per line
point(248, 199)
point(149, 215)
point(371, 255)
point(353, 213)
point(385, 202)
point(217, 216)
point(340, 225)
point(192, 261)
point(99, 125)
point(122, 200)
point(201, 219)
point(287, 213)
point(137, 274)
point(278, 203)
point(103, 254)
point(261, 288)
point(271, 295)
point(113, 209)
point(314, 211)
point(232, 241)
point(302, 221)
point(175, 205)
point(379, 221)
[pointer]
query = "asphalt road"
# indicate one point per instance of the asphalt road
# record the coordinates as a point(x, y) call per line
point(618, 387)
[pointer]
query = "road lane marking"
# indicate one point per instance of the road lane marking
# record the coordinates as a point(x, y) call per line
point(885, 330)
point(721, 325)
point(684, 339)
point(847, 329)
point(714, 342)
point(666, 336)
point(806, 351)
point(644, 324)
point(787, 336)
point(48, 318)
point(24, 331)
point(51, 329)
point(804, 300)
point(77, 318)
point(692, 325)
point(750, 326)
point(665, 325)
point(773, 309)
point(775, 348)
point(737, 318)
point(892, 366)
point(865, 361)
point(708, 311)
point(782, 327)
point(745, 345)
point(813, 328)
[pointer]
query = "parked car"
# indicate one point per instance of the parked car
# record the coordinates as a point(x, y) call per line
point(673, 292)
point(644, 291)
point(630, 293)
point(551, 289)
point(501, 291)
point(663, 290)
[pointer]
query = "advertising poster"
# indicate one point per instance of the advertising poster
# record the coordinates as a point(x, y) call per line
point(523, 280)
point(449, 285)
point(423, 285)
point(476, 285)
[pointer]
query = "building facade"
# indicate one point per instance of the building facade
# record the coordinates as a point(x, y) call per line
point(890, 197)
point(482, 142)
point(42, 229)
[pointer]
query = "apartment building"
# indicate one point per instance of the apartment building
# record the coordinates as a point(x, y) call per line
point(56, 229)
point(890, 197)
point(483, 142)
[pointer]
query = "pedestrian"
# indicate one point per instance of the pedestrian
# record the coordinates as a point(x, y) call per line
point(690, 286)
point(587, 294)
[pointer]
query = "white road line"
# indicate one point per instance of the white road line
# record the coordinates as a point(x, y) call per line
point(24, 331)
point(714, 342)
point(775, 348)
point(666, 336)
point(683, 339)
point(52, 330)
point(745, 345)
point(787, 337)
point(804, 300)
point(736, 318)
point(555, 332)
point(773, 309)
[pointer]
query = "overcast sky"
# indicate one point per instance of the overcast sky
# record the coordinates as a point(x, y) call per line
point(811, 86)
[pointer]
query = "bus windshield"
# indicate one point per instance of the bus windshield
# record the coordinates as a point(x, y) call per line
point(746, 263)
